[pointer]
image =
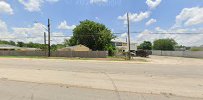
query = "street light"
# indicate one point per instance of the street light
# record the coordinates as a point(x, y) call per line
point(41, 25)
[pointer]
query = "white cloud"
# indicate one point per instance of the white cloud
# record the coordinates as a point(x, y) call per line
point(153, 3)
point(36, 32)
point(184, 24)
point(124, 35)
point(182, 39)
point(151, 21)
point(52, 1)
point(189, 17)
point(134, 17)
point(58, 40)
point(63, 25)
point(97, 18)
point(98, 1)
point(34, 5)
point(4, 30)
point(5, 7)
point(28, 34)
point(3, 26)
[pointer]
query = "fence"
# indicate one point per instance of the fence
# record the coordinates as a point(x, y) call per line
point(189, 54)
point(82, 54)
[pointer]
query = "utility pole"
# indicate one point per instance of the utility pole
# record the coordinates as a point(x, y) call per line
point(129, 53)
point(49, 34)
point(45, 43)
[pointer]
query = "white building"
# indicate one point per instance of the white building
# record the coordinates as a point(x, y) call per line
point(124, 46)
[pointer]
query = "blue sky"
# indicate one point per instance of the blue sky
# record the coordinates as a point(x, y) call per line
point(19, 17)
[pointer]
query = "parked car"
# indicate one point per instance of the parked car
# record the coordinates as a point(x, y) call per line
point(143, 53)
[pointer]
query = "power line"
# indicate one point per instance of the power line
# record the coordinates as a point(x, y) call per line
point(163, 32)
point(99, 34)
point(115, 33)
point(20, 38)
point(187, 33)
point(61, 36)
point(41, 25)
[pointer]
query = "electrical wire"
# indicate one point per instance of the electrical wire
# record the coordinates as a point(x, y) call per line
point(118, 33)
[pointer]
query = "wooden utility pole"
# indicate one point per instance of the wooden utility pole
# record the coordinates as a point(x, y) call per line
point(129, 49)
point(45, 43)
point(49, 41)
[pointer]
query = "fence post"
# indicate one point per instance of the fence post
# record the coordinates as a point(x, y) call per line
point(161, 52)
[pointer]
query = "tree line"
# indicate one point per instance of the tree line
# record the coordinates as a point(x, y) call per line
point(161, 44)
point(54, 47)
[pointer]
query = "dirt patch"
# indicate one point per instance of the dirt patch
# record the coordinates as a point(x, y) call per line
point(174, 60)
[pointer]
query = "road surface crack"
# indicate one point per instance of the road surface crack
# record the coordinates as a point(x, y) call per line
point(114, 85)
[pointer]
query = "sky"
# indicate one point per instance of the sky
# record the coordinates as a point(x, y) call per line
point(24, 20)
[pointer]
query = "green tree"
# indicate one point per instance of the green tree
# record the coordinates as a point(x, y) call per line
point(111, 50)
point(94, 35)
point(164, 44)
point(146, 45)
point(7, 42)
point(12, 43)
point(55, 47)
point(20, 44)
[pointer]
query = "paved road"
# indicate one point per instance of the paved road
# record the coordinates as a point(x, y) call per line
point(170, 81)
point(12, 90)
point(108, 67)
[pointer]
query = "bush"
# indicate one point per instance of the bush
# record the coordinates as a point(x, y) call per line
point(195, 49)
point(111, 50)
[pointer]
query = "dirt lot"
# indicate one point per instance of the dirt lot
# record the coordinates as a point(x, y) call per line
point(173, 60)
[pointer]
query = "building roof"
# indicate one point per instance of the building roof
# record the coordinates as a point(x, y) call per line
point(30, 49)
point(11, 47)
point(73, 48)
point(117, 40)
point(120, 41)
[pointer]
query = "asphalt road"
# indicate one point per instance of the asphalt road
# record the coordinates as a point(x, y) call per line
point(14, 85)
point(12, 90)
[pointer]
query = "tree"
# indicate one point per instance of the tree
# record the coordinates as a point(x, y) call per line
point(55, 47)
point(146, 45)
point(7, 42)
point(111, 50)
point(12, 43)
point(94, 35)
point(164, 44)
point(20, 44)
